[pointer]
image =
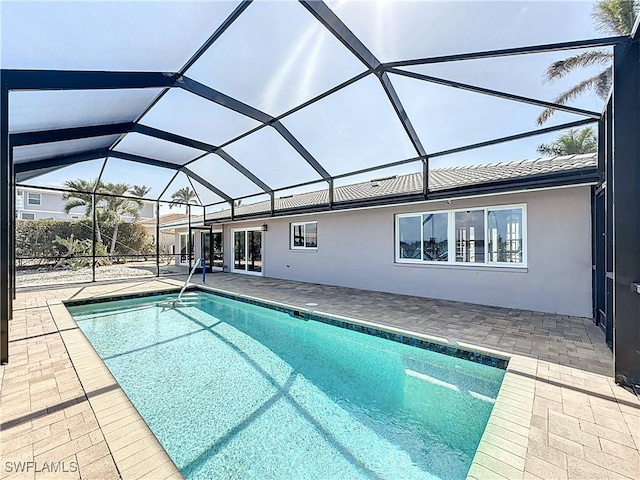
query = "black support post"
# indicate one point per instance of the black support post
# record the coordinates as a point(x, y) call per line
point(425, 178)
point(157, 238)
point(189, 246)
point(626, 214)
point(331, 194)
point(12, 223)
point(6, 298)
point(94, 224)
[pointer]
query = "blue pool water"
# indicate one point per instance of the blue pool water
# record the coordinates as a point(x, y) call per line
point(234, 390)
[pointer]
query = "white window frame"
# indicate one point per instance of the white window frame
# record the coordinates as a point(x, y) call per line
point(451, 238)
point(246, 251)
point(22, 214)
point(523, 233)
point(29, 202)
point(419, 261)
point(304, 235)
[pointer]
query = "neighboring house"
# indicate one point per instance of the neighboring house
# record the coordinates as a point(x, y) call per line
point(167, 233)
point(525, 248)
point(36, 204)
point(201, 235)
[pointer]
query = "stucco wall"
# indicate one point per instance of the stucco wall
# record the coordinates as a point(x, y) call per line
point(52, 206)
point(356, 249)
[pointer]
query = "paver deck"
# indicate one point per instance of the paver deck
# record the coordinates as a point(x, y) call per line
point(559, 413)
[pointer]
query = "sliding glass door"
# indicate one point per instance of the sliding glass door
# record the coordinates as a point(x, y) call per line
point(247, 251)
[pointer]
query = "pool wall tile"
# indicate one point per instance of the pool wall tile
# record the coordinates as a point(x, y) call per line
point(302, 314)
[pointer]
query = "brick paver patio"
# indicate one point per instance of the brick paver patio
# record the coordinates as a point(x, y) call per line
point(559, 413)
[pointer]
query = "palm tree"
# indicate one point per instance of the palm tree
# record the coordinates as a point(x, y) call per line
point(139, 190)
point(117, 207)
point(82, 196)
point(615, 17)
point(182, 196)
point(572, 143)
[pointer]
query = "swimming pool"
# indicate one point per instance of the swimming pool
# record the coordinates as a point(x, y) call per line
point(234, 390)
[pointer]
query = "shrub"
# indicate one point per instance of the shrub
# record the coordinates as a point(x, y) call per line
point(37, 239)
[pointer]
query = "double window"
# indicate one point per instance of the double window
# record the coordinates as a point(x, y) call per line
point(34, 198)
point(491, 235)
point(304, 235)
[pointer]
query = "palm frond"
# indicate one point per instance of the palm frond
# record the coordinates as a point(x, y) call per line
point(573, 142)
point(74, 203)
point(604, 82)
point(615, 17)
point(569, 95)
point(139, 190)
point(561, 68)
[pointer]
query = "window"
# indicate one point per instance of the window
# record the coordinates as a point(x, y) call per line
point(479, 236)
point(77, 217)
point(505, 235)
point(34, 199)
point(435, 243)
point(28, 216)
point(470, 236)
point(304, 235)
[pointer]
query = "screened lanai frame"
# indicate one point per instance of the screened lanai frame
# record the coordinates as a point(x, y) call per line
point(47, 80)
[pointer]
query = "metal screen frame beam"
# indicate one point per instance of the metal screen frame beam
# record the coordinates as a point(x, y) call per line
point(338, 29)
point(237, 106)
point(213, 95)
point(587, 176)
point(495, 93)
point(201, 51)
point(188, 142)
point(86, 80)
point(517, 136)
point(170, 166)
point(61, 161)
point(206, 184)
point(303, 152)
point(626, 215)
point(64, 134)
point(506, 52)
point(6, 297)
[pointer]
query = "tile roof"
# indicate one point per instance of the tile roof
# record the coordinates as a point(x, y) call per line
point(164, 219)
point(439, 179)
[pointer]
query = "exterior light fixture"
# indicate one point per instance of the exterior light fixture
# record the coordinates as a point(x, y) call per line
point(265, 227)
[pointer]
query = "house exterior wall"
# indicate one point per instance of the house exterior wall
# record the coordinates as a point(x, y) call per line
point(52, 207)
point(357, 249)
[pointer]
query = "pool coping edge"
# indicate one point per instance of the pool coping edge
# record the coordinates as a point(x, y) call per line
point(494, 459)
point(506, 435)
point(123, 428)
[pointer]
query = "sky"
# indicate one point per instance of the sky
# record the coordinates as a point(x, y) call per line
point(277, 56)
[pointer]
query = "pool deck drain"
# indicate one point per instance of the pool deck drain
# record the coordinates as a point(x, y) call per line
point(557, 415)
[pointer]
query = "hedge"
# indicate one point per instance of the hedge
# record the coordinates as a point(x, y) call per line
point(35, 238)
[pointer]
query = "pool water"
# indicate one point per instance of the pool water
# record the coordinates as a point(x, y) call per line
point(233, 390)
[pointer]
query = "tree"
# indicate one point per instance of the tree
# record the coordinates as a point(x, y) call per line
point(182, 196)
point(139, 190)
point(615, 17)
point(572, 143)
point(108, 209)
point(117, 207)
point(82, 197)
